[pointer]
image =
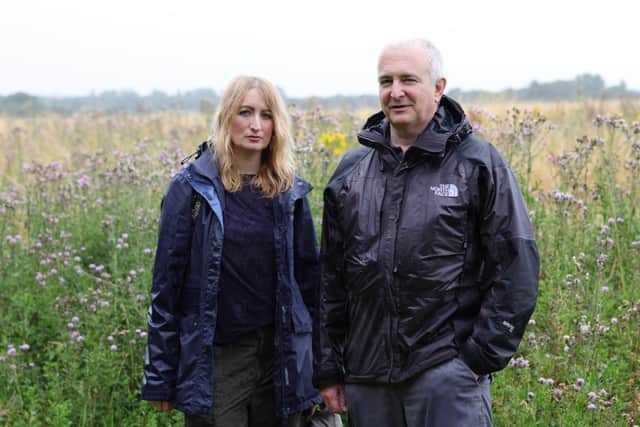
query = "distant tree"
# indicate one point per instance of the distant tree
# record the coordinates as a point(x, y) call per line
point(21, 104)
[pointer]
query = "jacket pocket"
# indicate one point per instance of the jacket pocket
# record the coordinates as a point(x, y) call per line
point(189, 345)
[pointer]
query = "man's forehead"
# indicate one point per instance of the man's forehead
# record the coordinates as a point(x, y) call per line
point(406, 60)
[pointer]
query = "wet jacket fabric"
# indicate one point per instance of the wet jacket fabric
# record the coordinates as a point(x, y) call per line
point(182, 316)
point(424, 258)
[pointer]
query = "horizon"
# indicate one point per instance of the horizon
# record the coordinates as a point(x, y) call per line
point(219, 91)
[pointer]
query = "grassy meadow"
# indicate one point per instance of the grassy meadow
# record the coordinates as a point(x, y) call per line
point(79, 208)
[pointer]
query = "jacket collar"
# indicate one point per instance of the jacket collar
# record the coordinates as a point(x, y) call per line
point(448, 122)
point(206, 166)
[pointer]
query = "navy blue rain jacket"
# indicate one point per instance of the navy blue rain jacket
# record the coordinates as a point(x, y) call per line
point(178, 363)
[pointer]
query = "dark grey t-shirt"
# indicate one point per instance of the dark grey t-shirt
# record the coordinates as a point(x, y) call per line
point(246, 300)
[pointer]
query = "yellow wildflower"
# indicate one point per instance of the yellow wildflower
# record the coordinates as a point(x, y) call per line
point(334, 142)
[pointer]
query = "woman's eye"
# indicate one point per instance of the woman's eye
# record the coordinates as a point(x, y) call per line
point(244, 113)
point(266, 116)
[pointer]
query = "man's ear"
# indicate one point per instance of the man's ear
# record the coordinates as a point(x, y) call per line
point(440, 86)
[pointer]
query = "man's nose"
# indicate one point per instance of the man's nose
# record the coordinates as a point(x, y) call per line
point(397, 90)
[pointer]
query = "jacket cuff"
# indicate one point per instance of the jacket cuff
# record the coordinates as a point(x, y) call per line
point(158, 394)
point(473, 356)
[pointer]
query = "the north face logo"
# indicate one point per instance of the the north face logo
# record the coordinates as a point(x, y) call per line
point(445, 190)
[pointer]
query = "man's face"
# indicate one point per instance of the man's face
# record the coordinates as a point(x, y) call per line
point(408, 97)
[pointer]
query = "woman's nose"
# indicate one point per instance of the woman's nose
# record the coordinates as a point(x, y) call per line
point(254, 123)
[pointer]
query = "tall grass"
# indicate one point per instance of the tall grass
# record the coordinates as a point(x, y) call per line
point(79, 202)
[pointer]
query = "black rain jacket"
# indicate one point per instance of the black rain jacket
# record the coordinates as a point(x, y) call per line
point(424, 257)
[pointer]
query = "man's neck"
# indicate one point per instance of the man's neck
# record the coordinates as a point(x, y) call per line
point(404, 140)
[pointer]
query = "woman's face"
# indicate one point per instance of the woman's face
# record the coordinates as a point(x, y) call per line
point(252, 125)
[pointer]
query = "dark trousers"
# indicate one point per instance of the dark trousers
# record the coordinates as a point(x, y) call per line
point(243, 388)
point(446, 395)
point(243, 384)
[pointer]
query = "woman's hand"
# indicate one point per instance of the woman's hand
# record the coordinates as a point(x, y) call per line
point(162, 406)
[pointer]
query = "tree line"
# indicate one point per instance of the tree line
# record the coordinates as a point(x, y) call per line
point(584, 86)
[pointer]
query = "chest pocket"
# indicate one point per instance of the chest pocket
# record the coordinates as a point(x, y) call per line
point(362, 203)
point(433, 226)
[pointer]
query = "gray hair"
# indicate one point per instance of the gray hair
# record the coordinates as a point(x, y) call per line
point(434, 57)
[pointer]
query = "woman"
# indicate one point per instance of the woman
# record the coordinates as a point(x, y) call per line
point(235, 275)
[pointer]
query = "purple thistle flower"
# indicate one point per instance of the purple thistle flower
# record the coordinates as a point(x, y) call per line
point(114, 347)
point(591, 407)
point(25, 347)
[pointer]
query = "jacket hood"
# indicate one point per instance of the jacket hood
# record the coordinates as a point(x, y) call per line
point(448, 122)
point(204, 164)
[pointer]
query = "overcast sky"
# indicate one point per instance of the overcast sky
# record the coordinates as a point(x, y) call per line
point(322, 47)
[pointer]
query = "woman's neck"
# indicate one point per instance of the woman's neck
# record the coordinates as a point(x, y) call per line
point(247, 163)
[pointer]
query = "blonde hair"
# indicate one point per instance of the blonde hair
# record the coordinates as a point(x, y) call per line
point(277, 169)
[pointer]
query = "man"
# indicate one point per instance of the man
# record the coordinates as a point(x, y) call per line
point(429, 265)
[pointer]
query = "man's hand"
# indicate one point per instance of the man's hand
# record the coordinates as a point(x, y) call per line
point(475, 376)
point(334, 397)
point(162, 406)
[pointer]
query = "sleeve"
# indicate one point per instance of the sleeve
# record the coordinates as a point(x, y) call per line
point(306, 262)
point(510, 271)
point(330, 321)
point(162, 351)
